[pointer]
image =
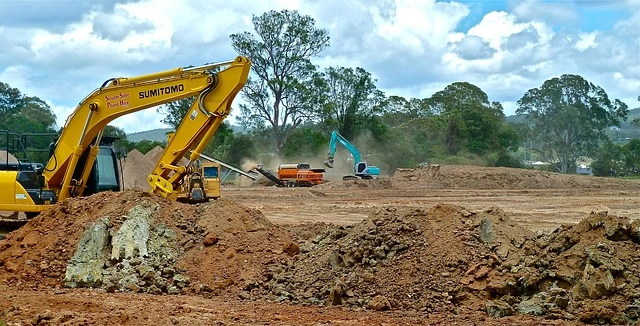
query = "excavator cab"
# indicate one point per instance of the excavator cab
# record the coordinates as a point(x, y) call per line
point(21, 180)
point(105, 174)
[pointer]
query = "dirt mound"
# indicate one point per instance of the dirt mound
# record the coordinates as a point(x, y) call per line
point(238, 242)
point(473, 177)
point(155, 153)
point(399, 259)
point(6, 157)
point(138, 242)
point(587, 271)
point(448, 259)
point(138, 166)
point(37, 254)
point(443, 259)
point(135, 169)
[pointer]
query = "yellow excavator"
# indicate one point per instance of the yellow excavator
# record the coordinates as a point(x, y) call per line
point(201, 183)
point(73, 155)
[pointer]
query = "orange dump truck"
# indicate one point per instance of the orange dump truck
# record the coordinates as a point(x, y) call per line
point(300, 175)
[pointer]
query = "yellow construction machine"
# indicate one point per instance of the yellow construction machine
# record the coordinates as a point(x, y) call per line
point(73, 155)
point(202, 184)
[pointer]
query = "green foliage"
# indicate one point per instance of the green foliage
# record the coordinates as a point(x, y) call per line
point(240, 148)
point(618, 160)
point(230, 147)
point(461, 158)
point(470, 122)
point(112, 131)
point(223, 132)
point(175, 111)
point(631, 157)
point(283, 90)
point(352, 99)
point(458, 125)
point(31, 118)
point(122, 144)
point(506, 160)
point(569, 115)
point(306, 141)
point(401, 151)
point(24, 114)
point(145, 146)
point(10, 102)
point(608, 161)
point(37, 145)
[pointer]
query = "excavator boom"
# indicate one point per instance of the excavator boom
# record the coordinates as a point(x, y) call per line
point(75, 151)
point(338, 138)
point(200, 124)
point(360, 168)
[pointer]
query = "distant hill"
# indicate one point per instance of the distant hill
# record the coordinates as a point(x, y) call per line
point(160, 135)
point(622, 134)
point(518, 118)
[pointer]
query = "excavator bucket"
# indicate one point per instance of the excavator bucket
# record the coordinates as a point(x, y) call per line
point(329, 162)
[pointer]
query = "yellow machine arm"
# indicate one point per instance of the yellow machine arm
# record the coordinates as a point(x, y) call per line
point(196, 129)
point(117, 97)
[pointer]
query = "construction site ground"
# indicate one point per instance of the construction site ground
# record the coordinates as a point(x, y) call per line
point(444, 245)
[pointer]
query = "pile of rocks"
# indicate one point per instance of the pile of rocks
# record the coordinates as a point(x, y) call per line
point(398, 259)
point(450, 259)
point(589, 271)
point(134, 241)
point(138, 255)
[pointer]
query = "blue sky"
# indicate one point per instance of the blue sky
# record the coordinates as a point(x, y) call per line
point(477, 10)
point(592, 14)
point(62, 50)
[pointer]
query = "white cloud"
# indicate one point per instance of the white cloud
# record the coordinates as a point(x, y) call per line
point(473, 48)
point(553, 12)
point(586, 40)
point(417, 26)
point(18, 77)
point(413, 47)
point(496, 27)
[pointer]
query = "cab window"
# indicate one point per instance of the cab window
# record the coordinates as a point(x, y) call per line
point(210, 172)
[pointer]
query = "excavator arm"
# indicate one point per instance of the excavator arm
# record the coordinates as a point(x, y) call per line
point(360, 168)
point(66, 176)
point(196, 129)
point(335, 138)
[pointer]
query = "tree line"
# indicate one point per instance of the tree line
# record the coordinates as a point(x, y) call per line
point(290, 106)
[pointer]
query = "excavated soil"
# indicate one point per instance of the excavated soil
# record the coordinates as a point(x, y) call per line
point(473, 177)
point(177, 254)
point(395, 250)
point(135, 170)
point(136, 167)
point(7, 157)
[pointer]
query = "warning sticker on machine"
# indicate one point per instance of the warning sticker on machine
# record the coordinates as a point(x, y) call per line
point(21, 196)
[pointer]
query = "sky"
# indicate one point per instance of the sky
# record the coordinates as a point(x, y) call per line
point(61, 50)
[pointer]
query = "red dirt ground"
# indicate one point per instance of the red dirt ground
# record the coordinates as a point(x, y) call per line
point(420, 247)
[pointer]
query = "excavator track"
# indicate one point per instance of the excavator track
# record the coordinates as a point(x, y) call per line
point(11, 222)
